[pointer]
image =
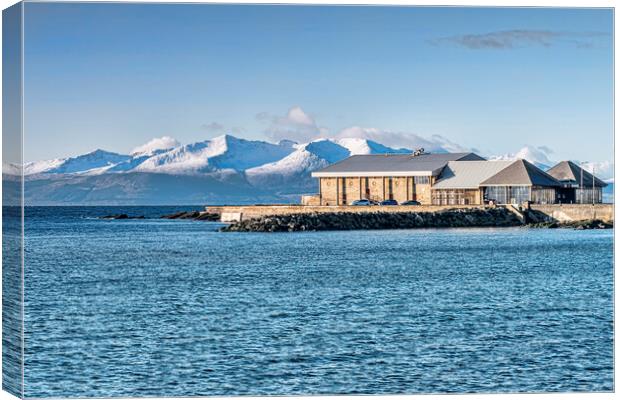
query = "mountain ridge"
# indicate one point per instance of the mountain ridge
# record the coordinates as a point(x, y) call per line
point(221, 169)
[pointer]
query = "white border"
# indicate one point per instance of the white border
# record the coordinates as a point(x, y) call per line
point(479, 3)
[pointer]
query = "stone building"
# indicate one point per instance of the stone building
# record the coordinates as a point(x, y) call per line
point(577, 185)
point(451, 179)
point(378, 177)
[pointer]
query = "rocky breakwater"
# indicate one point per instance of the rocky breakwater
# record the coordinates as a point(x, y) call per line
point(451, 218)
point(196, 215)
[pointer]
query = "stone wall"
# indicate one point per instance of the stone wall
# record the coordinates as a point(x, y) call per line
point(329, 191)
point(400, 191)
point(236, 213)
point(450, 218)
point(353, 189)
point(423, 193)
point(376, 188)
point(310, 200)
point(576, 212)
point(341, 191)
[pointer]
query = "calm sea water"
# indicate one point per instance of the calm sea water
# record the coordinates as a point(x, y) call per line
point(174, 308)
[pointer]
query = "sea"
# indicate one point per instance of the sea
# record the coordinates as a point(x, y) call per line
point(156, 307)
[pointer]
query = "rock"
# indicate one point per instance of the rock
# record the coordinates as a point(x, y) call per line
point(578, 225)
point(377, 220)
point(196, 215)
point(206, 216)
point(182, 215)
point(122, 216)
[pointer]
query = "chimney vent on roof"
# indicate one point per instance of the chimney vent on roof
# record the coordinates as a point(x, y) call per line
point(419, 152)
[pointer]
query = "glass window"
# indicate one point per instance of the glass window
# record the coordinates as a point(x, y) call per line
point(421, 180)
point(589, 195)
point(507, 194)
point(543, 195)
point(519, 194)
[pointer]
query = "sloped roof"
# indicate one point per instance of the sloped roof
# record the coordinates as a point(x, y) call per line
point(569, 172)
point(521, 173)
point(393, 164)
point(468, 174)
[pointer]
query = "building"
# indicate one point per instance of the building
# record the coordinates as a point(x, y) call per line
point(577, 184)
point(520, 182)
point(378, 177)
point(452, 179)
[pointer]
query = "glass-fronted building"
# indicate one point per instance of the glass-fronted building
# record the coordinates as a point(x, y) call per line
point(521, 182)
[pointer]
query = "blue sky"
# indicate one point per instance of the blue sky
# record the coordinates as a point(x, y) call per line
point(113, 76)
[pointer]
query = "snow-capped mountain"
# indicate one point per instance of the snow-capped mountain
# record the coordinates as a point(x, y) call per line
point(222, 169)
point(98, 160)
point(156, 145)
point(538, 156)
point(292, 173)
point(222, 152)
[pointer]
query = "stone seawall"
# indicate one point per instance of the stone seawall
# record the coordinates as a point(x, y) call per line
point(575, 212)
point(446, 218)
point(240, 213)
point(554, 212)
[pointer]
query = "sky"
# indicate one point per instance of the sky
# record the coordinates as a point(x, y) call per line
point(113, 76)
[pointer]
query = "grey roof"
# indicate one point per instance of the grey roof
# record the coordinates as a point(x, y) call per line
point(521, 173)
point(393, 164)
point(570, 173)
point(468, 174)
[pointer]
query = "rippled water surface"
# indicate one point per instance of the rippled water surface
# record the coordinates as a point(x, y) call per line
point(174, 308)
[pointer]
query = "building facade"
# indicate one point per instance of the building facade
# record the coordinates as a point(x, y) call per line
point(399, 177)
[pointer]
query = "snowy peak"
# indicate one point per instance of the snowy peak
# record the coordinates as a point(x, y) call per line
point(93, 161)
point(241, 154)
point(326, 150)
point(220, 153)
point(538, 156)
point(156, 145)
point(358, 146)
point(295, 169)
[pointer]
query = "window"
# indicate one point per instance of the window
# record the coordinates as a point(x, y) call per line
point(422, 180)
point(519, 194)
point(454, 197)
point(543, 195)
point(587, 195)
point(507, 194)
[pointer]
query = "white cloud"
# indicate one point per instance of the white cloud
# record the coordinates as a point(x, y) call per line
point(540, 156)
point(298, 116)
point(602, 169)
point(296, 125)
point(435, 143)
point(162, 143)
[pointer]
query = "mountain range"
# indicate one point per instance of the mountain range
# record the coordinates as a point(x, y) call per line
point(225, 169)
